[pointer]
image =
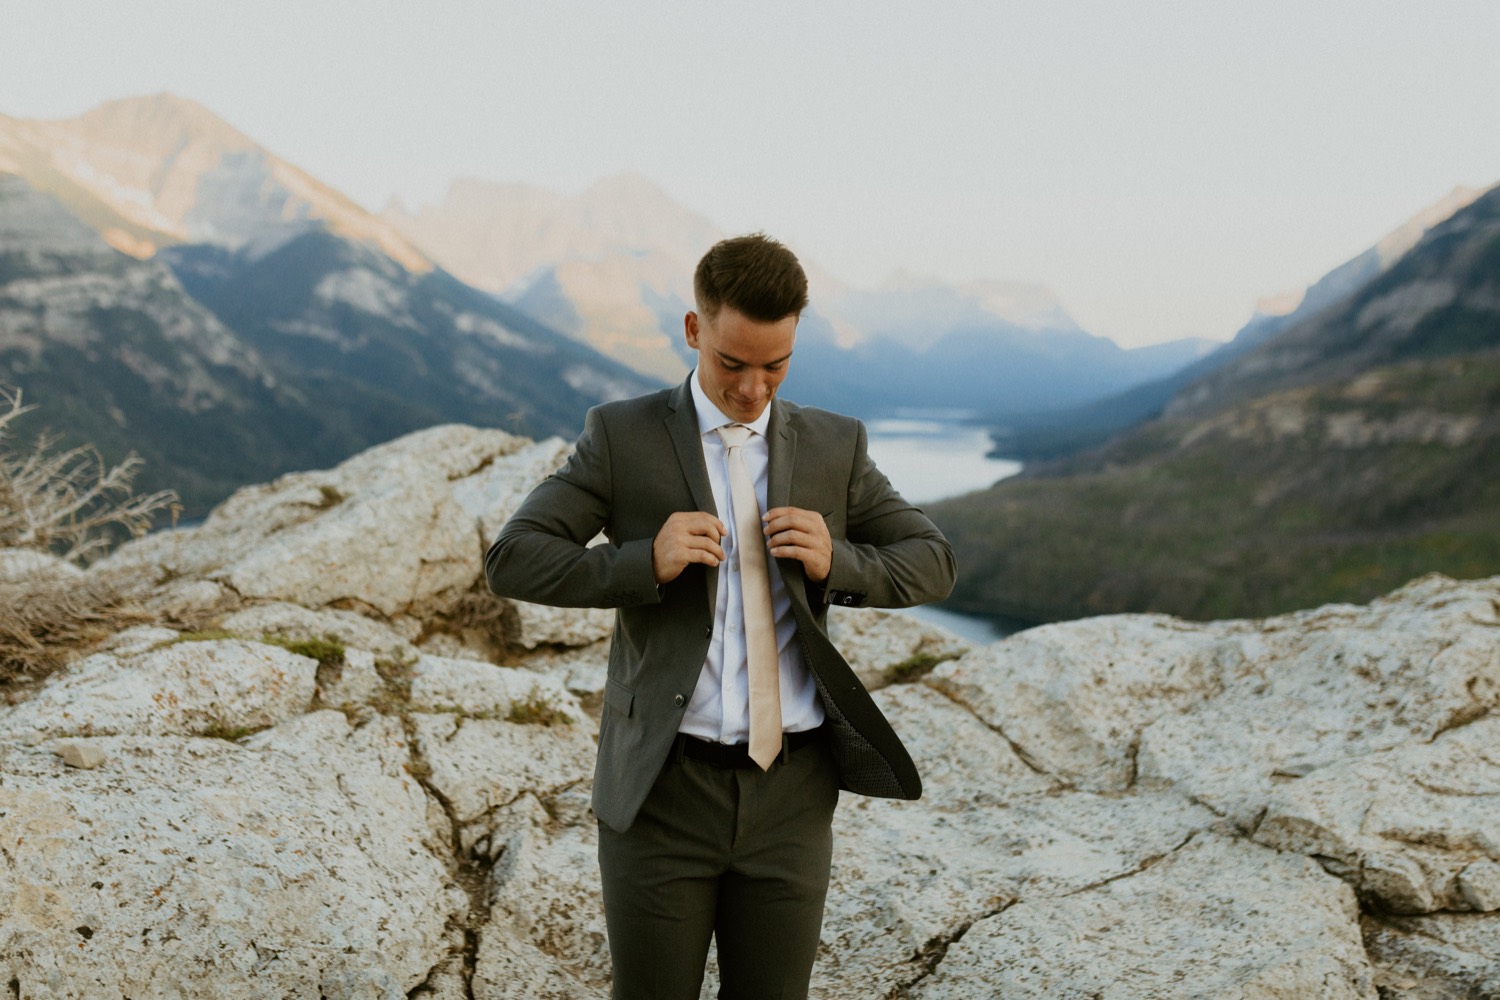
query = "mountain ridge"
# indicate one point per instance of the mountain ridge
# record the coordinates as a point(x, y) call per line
point(1356, 447)
point(172, 171)
point(1047, 435)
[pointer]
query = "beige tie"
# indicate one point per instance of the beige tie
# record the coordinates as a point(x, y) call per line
point(755, 591)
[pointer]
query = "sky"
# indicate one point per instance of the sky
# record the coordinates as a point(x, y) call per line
point(1160, 166)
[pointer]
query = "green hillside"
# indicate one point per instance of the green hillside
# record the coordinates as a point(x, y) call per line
point(1345, 456)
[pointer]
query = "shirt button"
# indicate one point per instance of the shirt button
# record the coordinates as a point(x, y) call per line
point(679, 700)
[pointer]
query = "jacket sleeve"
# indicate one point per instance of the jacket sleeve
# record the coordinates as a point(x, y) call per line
point(543, 554)
point(891, 555)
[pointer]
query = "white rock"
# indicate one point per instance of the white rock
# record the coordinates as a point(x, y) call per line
point(545, 934)
point(355, 682)
point(482, 765)
point(1435, 957)
point(476, 688)
point(1480, 885)
point(84, 754)
point(1404, 825)
point(189, 599)
point(544, 626)
point(1218, 919)
point(583, 671)
point(1074, 697)
point(1329, 685)
point(186, 688)
point(140, 639)
point(18, 566)
point(398, 527)
point(988, 830)
point(199, 868)
point(290, 621)
point(876, 642)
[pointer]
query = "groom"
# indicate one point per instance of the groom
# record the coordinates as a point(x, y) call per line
point(732, 519)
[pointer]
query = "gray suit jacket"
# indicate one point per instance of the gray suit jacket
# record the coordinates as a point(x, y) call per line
point(639, 461)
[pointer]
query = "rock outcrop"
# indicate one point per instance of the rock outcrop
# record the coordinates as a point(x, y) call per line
point(336, 767)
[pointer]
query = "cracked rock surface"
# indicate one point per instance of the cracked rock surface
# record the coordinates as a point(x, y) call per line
point(362, 777)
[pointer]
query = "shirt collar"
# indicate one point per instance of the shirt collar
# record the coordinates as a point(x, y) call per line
point(711, 418)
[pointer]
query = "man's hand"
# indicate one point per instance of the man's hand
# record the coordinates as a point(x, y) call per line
point(688, 536)
point(800, 534)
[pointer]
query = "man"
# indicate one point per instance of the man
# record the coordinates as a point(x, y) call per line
point(730, 722)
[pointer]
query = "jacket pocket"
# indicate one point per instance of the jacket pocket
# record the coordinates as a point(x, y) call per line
point(619, 697)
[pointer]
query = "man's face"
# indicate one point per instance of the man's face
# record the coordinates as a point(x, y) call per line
point(741, 362)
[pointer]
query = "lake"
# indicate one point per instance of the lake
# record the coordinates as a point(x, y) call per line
point(931, 455)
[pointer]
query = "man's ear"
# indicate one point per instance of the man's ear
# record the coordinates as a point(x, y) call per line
point(690, 327)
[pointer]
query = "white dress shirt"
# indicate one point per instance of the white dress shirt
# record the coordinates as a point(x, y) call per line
point(720, 706)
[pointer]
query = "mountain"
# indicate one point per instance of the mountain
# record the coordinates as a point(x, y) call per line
point(148, 172)
point(1355, 449)
point(613, 268)
point(985, 347)
point(400, 350)
point(598, 266)
point(1050, 433)
point(301, 331)
point(115, 353)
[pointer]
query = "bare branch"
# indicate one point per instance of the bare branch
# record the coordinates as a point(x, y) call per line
point(70, 503)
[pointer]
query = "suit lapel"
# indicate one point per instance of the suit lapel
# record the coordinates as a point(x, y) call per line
point(781, 440)
point(682, 427)
point(781, 435)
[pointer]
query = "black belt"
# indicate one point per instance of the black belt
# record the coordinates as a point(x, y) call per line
point(737, 754)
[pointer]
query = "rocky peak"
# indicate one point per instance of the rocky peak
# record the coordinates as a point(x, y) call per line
point(152, 171)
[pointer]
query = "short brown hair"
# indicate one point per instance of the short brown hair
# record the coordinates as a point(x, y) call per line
point(753, 274)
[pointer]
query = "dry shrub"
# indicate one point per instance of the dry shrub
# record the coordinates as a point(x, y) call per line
point(70, 505)
point(47, 619)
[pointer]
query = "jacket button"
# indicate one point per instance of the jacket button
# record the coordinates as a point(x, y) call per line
point(679, 700)
point(708, 632)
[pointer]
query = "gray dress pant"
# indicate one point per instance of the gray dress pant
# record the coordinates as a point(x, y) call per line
point(733, 854)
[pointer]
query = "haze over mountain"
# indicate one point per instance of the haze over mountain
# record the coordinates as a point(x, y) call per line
point(613, 267)
point(1356, 447)
point(1052, 432)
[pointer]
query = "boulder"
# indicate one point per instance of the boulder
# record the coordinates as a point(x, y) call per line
point(301, 863)
point(544, 935)
point(1313, 689)
point(281, 620)
point(1073, 698)
point(1123, 806)
point(1434, 957)
point(1415, 829)
point(886, 646)
point(223, 687)
point(399, 529)
point(24, 566)
point(1217, 919)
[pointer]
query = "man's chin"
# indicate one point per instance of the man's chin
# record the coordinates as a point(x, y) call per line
point(746, 414)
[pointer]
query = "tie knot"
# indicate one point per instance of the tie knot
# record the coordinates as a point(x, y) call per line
point(734, 435)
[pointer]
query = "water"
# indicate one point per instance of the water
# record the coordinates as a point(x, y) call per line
point(932, 455)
